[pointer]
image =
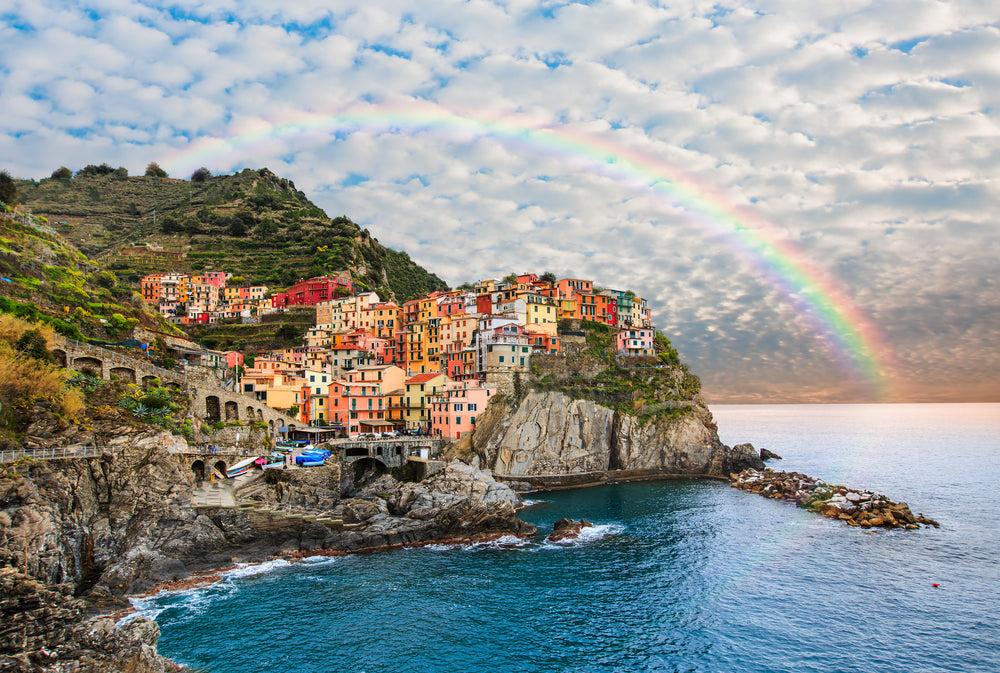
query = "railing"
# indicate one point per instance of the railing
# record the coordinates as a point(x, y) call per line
point(54, 453)
point(114, 357)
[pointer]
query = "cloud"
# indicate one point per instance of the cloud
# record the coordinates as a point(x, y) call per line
point(865, 134)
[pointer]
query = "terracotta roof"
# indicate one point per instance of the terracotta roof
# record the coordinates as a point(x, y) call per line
point(423, 378)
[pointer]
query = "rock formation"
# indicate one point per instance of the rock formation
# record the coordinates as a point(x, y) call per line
point(123, 523)
point(856, 507)
point(549, 435)
point(568, 529)
point(43, 628)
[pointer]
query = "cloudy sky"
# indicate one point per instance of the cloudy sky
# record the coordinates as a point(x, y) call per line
point(806, 192)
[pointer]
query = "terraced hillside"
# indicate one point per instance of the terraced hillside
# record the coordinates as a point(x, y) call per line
point(45, 278)
point(253, 223)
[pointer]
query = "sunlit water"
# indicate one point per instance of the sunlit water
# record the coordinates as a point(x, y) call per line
point(677, 575)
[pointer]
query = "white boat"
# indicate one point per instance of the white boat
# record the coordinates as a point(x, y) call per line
point(240, 467)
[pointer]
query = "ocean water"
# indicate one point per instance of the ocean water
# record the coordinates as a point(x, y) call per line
point(675, 576)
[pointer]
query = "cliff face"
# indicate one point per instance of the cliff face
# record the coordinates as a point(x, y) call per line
point(552, 435)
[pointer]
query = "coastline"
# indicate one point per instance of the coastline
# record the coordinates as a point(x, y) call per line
point(199, 579)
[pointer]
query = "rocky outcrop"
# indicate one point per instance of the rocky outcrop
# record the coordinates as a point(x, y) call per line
point(43, 628)
point(550, 435)
point(765, 455)
point(568, 529)
point(123, 523)
point(856, 507)
point(456, 483)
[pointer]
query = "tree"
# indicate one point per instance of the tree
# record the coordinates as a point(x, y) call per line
point(33, 344)
point(62, 173)
point(8, 190)
point(153, 170)
point(237, 228)
point(547, 277)
point(201, 175)
point(92, 171)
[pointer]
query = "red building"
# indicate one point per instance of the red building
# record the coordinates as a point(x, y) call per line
point(311, 292)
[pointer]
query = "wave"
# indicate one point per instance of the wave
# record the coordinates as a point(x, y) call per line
point(505, 542)
point(526, 503)
point(251, 569)
point(587, 535)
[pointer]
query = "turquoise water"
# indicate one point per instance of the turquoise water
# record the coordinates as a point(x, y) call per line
point(676, 576)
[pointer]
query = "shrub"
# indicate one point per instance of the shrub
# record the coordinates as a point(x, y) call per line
point(62, 173)
point(8, 190)
point(34, 344)
point(153, 170)
point(201, 175)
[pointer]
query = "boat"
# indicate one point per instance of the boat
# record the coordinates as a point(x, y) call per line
point(240, 467)
point(312, 463)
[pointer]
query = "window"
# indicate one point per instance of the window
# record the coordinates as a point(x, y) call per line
point(458, 407)
point(501, 358)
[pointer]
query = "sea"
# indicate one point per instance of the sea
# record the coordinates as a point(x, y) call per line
point(686, 575)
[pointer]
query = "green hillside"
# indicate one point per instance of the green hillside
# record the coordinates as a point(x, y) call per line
point(45, 278)
point(252, 223)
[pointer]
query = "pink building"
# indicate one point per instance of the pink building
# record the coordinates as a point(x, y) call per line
point(635, 341)
point(454, 409)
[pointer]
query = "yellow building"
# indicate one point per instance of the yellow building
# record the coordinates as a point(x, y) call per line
point(419, 389)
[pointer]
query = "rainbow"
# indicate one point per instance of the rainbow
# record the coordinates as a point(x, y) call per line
point(847, 332)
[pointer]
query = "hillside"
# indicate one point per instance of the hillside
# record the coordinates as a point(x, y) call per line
point(252, 223)
point(46, 279)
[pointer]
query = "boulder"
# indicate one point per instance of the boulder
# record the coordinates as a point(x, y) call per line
point(768, 455)
point(568, 529)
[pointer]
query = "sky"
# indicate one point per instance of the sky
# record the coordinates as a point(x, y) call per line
point(806, 193)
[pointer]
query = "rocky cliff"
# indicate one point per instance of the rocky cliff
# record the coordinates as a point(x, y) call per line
point(550, 439)
point(77, 535)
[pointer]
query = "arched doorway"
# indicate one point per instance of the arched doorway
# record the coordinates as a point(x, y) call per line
point(232, 411)
point(126, 374)
point(220, 467)
point(212, 408)
point(198, 468)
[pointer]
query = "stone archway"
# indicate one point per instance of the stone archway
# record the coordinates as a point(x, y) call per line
point(198, 468)
point(173, 385)
point(250, 413)
point(126, 374)
point(220, 467)
point(260, 415)
point(212, 409)
point(367, 470)
point(84, 364)
point(148, 381)
point(232, 411)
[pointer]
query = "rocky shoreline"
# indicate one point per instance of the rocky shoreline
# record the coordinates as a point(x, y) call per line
point(855, 507)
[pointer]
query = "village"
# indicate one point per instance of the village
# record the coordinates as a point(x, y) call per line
point(373, 368)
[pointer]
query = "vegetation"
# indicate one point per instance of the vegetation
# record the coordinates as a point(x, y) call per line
point(54, 284)
point(8, 189)
point(153, 170)
point(649, 387)
point(252, 221)
point(29, 377)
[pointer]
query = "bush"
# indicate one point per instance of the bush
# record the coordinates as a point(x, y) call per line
point(92, 171)
point(201, 175)
point(8, 190)
point(153, 170)
point(62, 173)
point(33, 344)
